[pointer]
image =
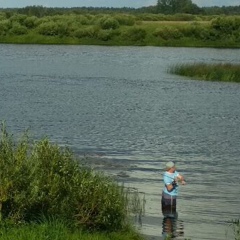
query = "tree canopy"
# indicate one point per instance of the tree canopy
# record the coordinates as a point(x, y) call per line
point(177, 6)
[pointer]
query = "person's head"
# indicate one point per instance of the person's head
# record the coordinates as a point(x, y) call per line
point(170, 166)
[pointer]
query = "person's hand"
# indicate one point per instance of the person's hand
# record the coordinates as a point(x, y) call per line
point(183, 182)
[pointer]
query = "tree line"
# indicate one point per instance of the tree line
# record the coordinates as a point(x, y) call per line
point(162, 7)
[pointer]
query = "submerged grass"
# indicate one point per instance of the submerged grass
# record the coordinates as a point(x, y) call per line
point(225, 72)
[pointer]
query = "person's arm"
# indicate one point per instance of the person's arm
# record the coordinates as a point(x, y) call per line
point(181, 179)
point(170, 187)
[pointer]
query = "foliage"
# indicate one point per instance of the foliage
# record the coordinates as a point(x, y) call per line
point(43, 179)
point(135, 34)
point(19, 18)
point(176, 6)
point(212, 72)
point(168, 33)
point(126, 20)
point(171, 6)
point(109, 23)
point(56, 229)
point(30, 22)
point(122, 29)
point(5, 25)
point(106, 35)
point(88, 32)
point(52, 28)
point(226, 25)
point(18, 29)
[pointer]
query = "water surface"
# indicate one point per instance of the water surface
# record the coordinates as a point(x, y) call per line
point(121, 106)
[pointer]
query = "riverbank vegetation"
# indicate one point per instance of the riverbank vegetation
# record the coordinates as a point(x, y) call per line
point(45, 191)
point(119, 28)
point(211, 72)
point(58, 230)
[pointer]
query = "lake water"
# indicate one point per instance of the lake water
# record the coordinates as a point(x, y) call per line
point(122, 107)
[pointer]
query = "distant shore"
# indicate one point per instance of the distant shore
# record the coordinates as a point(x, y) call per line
point(120, 29)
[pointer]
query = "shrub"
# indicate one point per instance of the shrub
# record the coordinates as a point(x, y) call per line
point(43, 179)
point(20, 18)
point(48, 28)
point(2, 16)
point(168, 33)
point(18, 29)
point(82, 20)
point(135, 34)
point(109, 23)
point(30, 22)
point(53, 29)
point(105, 35)
point(88, 32)
point(196, 31)
point(126, 20)
point(226, 25)
point(5, 25)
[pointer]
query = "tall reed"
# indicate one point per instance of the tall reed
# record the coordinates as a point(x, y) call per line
point(235, 227)
point(226, 72)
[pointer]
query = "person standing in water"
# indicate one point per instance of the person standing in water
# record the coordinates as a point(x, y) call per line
point(171, 179)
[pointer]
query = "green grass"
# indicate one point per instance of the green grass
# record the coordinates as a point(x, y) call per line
point(59, 230)
point(225, 72)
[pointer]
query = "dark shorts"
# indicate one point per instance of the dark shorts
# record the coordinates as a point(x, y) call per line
point(169, 203)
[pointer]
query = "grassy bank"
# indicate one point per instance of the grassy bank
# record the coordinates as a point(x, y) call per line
point(122, 29)
point(209, 72)
point(41, 180)
point(59, 230)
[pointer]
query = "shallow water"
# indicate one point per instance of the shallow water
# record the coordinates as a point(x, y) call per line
point(120, 106)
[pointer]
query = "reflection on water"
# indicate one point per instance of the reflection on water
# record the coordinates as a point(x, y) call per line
point(172, 226)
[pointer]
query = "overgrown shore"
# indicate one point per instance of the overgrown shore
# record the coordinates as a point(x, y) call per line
point(121, 29)
point(46, 193)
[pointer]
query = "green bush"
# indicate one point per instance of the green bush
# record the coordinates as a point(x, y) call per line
point(5, 25)
point(168, 33)
point(196, 31)
point(2, 16)
point(125, 20)
point(109, 23)
point(53, 29)
point(135, 34)
point(19, 18)
point(41, 178)
point(105, 35)
point(87, 32)
point(18, 29)
point(82, 20)
point(226, 25)
point(30, 22)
